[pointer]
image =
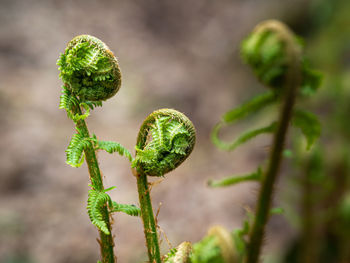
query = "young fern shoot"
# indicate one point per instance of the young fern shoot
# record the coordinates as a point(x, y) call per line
point(91, 74)
point(275, 55)
point(217, 246)
point(166, 138)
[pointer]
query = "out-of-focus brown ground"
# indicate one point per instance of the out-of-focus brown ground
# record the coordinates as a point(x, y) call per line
point(177, 54)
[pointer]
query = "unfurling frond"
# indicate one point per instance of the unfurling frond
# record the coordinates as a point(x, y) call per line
point(96, 202)
point(131, 210)
point(165, 140)
point(268, 51)
point(111, 147)
point(89, 69)
point(74, 152)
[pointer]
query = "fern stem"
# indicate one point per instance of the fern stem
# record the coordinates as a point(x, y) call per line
point(292, 82)
point(147, 215)
point(106, 241)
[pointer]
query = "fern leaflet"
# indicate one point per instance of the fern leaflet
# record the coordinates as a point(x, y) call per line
point(74, 152)
point(255, 104)
point(96, 201)
point(243, 138)
point(159, 128)
point(131, 210)
point(252, 106)
point(309, 125)
point(111, 147)
point(231, 180)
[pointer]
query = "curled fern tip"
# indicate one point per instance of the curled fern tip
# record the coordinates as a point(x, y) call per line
point(89, 69)
point(267, 51)
point(165, 140)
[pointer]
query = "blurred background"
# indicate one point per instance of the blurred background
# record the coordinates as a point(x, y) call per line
point(175, 54)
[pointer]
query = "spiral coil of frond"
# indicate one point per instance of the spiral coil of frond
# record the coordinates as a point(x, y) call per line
point(89, 69)
point(271, 49)
point(267, 51)
point(165, 140)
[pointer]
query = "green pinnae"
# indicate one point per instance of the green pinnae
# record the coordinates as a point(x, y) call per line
point(165, 140)
point(89, 69)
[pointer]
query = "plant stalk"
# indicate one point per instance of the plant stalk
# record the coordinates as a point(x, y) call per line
point(106, 241)
point(308, 239)
point(292, 82)
point(147, 215)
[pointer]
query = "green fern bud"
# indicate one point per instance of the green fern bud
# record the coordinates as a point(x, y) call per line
point(89, 69)
point(267, 51)
point(271, 49)
point(165, 140)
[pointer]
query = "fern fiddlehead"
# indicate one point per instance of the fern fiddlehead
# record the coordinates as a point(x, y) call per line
point(166, 138)
point(283, 71)
point(90, 74)
point(89, 69)
point(275, 55)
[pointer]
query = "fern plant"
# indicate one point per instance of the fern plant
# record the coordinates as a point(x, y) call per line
point(275, 55)
point(90, 73)
point(166, 138)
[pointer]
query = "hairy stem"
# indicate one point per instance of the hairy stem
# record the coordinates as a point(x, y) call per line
point(106, 241)
point(149, 223)
point(292, 82)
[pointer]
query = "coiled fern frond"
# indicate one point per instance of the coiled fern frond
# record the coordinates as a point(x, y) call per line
point(268, 54)
point(165, 140)
point(89, 69)
point(272, 51)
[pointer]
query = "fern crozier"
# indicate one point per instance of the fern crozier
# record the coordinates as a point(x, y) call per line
point(89, 69)
point(165, 140)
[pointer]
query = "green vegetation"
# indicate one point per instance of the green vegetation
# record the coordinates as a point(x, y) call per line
point(91, 74)
point(275, 55)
